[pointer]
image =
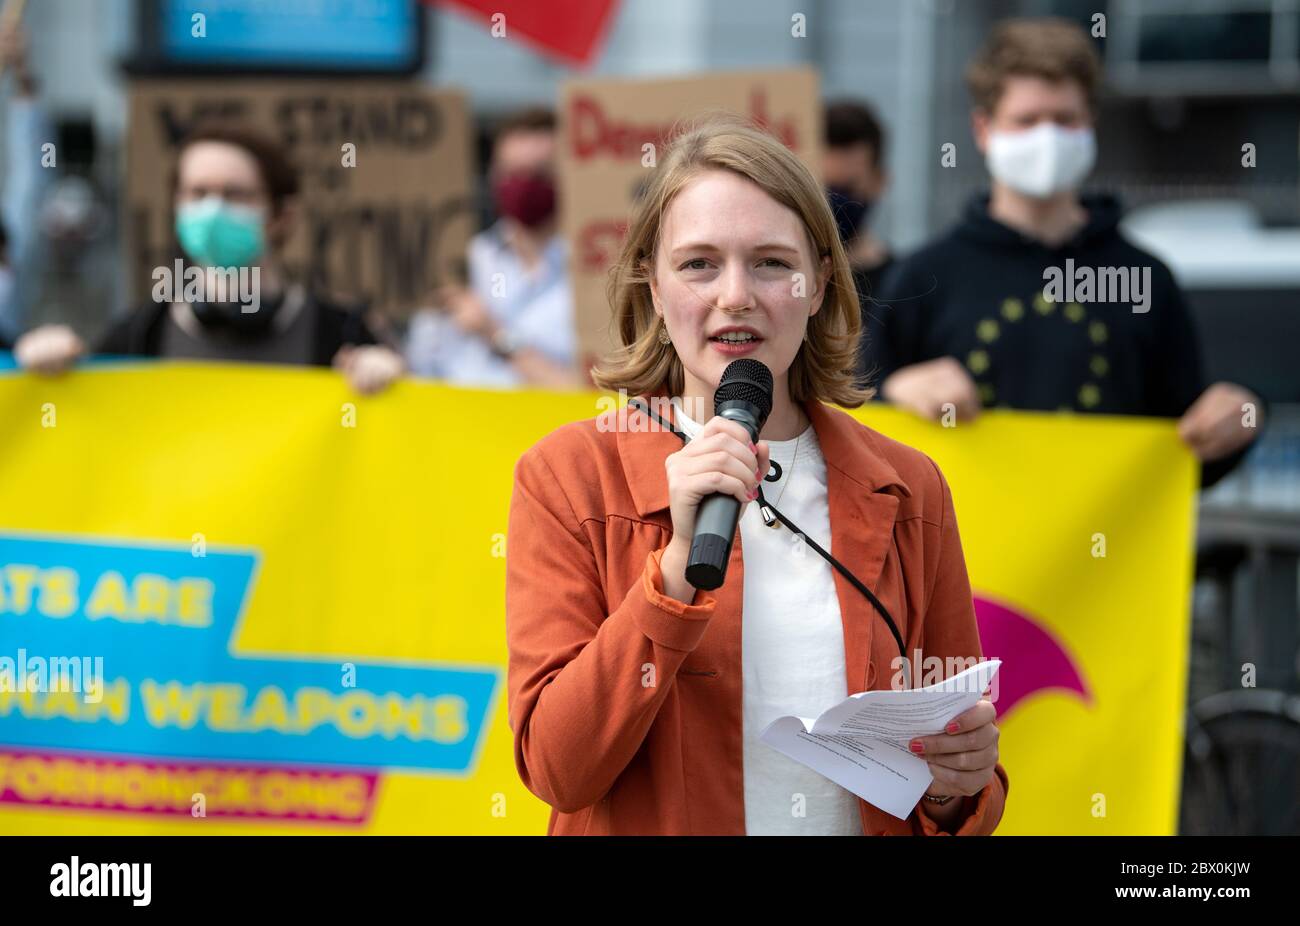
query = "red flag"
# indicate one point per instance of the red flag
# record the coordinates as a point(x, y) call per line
point(571, 30)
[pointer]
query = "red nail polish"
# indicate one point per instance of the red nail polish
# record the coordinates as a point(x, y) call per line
point(952, 727)
point(917, 747)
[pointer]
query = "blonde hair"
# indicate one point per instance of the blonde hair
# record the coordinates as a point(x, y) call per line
point(826, 365)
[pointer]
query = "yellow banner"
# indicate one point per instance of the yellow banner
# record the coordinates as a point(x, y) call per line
point(243, 599)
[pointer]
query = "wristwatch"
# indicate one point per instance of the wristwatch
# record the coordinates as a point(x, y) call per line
point(938, 800)
point(504, 343)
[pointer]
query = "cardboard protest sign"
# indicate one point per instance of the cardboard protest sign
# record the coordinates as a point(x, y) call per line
point(385, 210)
point(606, 126)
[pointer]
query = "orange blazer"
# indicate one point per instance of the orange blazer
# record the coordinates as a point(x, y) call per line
point(625, 704)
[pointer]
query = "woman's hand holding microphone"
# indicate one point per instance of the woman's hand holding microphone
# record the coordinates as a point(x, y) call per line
point(720, 459)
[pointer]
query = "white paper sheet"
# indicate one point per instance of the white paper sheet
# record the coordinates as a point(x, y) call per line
point(861, 743)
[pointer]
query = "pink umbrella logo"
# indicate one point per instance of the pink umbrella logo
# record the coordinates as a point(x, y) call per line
point(1034, 659)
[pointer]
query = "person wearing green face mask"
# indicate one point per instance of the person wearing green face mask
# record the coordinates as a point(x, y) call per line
point(227, 296)
point(220, 234)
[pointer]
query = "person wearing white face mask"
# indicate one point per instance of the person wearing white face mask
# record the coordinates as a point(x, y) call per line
point(970, 321)
point(1041, 162)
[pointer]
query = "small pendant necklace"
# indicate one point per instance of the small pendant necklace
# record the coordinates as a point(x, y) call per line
point(768, 518)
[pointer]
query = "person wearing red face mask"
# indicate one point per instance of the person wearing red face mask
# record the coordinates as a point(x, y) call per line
point(513, 323)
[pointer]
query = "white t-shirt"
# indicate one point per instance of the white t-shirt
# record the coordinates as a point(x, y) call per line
point(792, 645)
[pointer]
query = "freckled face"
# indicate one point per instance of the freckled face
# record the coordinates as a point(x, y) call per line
point(730, 256)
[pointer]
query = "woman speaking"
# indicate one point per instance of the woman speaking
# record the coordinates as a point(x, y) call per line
point(636, 699)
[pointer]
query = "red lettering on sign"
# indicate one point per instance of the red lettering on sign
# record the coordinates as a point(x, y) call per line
point(598, 241)
point(593, 131)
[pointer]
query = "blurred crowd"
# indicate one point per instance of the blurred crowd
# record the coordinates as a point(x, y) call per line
point(959, 325)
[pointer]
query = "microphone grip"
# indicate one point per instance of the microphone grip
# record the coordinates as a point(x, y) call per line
point(715, 526)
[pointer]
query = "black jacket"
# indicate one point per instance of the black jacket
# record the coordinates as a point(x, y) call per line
point(140, 332)
point(977, 294)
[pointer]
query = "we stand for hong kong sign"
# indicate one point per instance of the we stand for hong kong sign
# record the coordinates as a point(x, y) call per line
point(385, 210)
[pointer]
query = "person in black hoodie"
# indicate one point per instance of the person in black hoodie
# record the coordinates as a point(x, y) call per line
point(1035, 300)
point(234, 205)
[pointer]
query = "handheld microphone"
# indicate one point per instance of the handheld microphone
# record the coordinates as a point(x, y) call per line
point(745, 396)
